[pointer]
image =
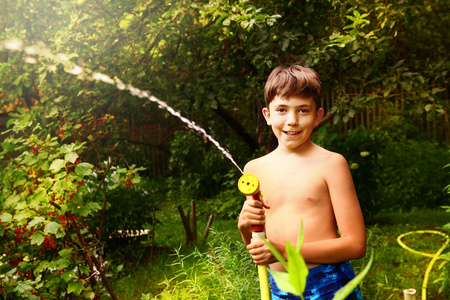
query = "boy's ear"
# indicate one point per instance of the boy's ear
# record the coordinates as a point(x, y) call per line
point(319, 115)
point(266, 114)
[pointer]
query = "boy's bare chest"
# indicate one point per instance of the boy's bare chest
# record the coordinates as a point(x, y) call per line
point(294, 186)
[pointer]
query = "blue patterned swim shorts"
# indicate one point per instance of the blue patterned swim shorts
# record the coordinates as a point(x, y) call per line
point(322, 283)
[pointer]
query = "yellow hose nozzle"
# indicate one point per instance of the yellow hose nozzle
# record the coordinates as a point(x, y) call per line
point(248, 184)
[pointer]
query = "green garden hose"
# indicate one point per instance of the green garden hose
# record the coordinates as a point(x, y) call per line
point(434, 256)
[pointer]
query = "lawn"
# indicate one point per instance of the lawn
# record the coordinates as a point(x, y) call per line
point(221, 268)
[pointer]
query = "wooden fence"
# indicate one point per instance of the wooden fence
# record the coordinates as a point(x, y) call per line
point(434, 127)
point(152, 136)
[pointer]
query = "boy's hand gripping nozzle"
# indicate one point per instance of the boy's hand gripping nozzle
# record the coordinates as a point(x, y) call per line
point(249, 185)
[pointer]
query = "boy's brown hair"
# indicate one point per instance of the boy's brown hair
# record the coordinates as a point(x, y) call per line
point(292, 80)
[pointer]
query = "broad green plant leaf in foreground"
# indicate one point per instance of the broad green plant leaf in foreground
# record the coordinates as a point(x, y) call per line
point(294, 281)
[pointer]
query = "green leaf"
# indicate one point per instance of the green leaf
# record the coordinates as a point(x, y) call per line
point(5, 217)
point(84, 269)
point(29, 159)
point(35, 221)
point(301, 235)
point(62, 263)
point(42, 266)
point(45, 165)
point(17, 81)
point(11, 200)
point(294, 281)
point(87, 209)
point(37, 238)
point(298, 271)
point(407, 85)
point(68, 275)
point(57, 165)
point(62, 185)
point(437, 90)
point(83, 169)
point(282, 280)
point(52, 228)
point(20, 182)
point(9, 146)
point(351, 113)
point(23, 287)
point(39, 194)
point(352, 284)
point(121, 170)
point(275, 252)
point(11, 272)
point(219, 20)
point(75, 287)
point(71, 157)
point(336, 119)
point(22, 215)
point(42, 155)
point(66, 252)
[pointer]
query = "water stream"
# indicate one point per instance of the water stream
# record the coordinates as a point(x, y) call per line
point(90, 75)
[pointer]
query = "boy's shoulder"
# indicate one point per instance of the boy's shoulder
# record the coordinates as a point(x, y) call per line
point(319, 156)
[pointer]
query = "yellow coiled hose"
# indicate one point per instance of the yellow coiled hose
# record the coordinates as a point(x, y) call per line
point(434, 256)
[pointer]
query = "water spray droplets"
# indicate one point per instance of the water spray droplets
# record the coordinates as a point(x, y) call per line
point(86, 74)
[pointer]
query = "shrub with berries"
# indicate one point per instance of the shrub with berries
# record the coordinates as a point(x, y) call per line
point(55, 176)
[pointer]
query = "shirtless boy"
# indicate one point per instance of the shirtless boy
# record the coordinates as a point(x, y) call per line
point(302, 182)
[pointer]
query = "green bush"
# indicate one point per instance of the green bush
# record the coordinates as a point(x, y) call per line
point(390, 172)
point(51, 201)
point(411, 174)
point(131, 208)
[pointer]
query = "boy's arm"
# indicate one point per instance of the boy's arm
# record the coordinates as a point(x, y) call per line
point(349, 219)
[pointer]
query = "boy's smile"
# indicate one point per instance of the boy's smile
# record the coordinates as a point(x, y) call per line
point(292, 120)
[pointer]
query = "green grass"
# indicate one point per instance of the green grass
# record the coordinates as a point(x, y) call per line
point(222, 269)
point(395, 268)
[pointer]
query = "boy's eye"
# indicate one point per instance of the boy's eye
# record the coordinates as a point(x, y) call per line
point(280, 110)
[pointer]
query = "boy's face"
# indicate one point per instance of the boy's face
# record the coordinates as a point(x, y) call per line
point(292, 120)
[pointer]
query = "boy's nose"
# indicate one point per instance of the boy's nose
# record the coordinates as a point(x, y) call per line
point(292, 119)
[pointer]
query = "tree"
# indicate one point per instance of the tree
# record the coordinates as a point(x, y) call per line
point(210, 60)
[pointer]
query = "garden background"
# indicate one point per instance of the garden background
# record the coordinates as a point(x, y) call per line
point(85, 157)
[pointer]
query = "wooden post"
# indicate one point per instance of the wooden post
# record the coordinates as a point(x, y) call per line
point(185, 221)
point(188, 234)
point(208, 226)
point(194, 221)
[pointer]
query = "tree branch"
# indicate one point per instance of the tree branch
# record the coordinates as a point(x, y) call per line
point(236, 126)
